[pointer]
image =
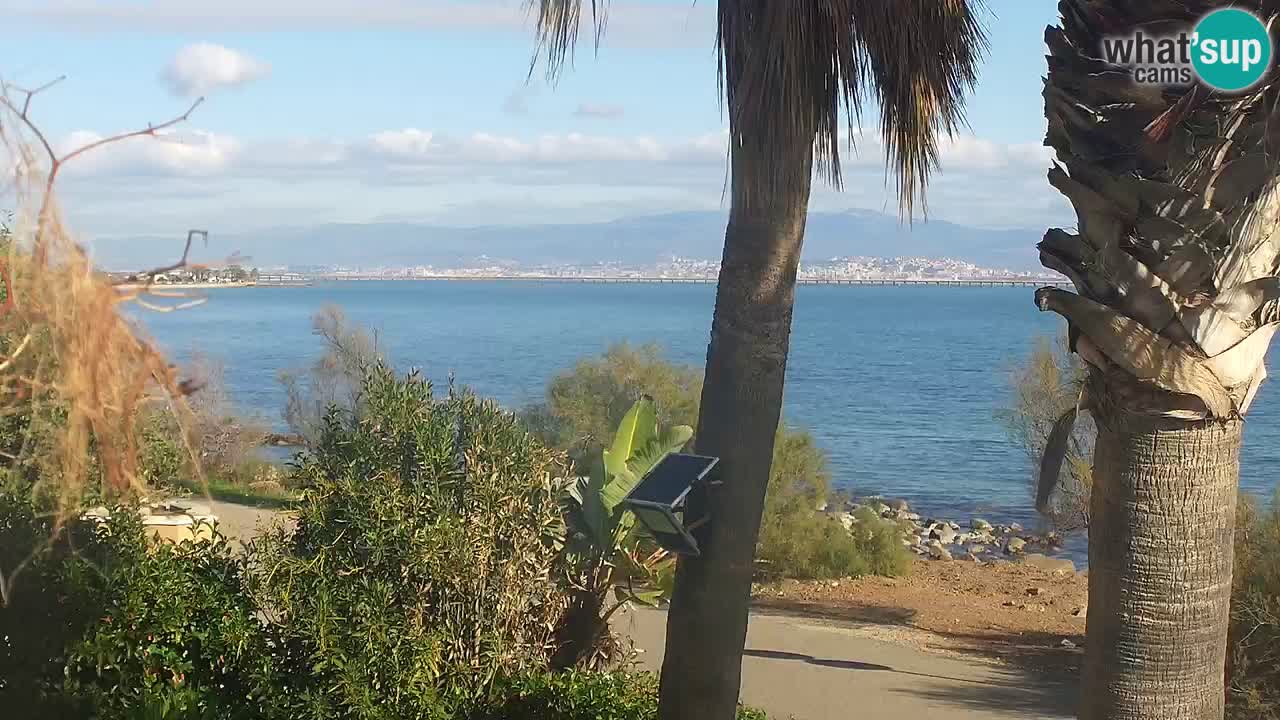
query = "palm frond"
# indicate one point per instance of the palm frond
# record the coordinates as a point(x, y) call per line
point(788, 69)
point(1177, 194)
point(556, 31)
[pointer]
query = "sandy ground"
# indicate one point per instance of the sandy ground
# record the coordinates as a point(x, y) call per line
point(1012, 612)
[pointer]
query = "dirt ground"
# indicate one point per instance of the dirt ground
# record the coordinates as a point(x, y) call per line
point(1003, 611)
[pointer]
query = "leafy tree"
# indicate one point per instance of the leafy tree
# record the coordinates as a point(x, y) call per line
point(1174, 265)
point(786, 68)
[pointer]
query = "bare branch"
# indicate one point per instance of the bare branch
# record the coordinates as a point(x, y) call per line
point(182, 262)
point(149, 130)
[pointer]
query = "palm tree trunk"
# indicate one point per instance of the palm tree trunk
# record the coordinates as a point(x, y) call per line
point(738, 421)
point(1160, 559)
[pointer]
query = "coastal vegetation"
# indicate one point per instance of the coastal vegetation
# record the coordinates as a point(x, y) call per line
point(426, 574)
point(796, 539)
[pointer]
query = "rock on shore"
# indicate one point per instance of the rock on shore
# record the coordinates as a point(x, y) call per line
point(945, 540)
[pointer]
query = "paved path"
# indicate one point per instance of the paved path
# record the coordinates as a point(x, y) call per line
point(812, 670)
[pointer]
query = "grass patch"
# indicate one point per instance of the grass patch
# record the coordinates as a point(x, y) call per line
point(224, 491)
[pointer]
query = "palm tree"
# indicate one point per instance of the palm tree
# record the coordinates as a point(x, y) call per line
point(787, 68)
point(1174, 262)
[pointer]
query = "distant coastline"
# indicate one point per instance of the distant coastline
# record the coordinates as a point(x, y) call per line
point(184, 286)
point(1013, 281)
point(658, 280)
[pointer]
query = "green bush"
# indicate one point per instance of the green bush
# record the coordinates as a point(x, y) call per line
point(39, 615)
point(580, 696)
point(809, 545)
point(583, 406)
point(425, 558)
point(99, 624)
point(1254, 665)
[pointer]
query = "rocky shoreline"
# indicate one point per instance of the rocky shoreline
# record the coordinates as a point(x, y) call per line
point(977, 541)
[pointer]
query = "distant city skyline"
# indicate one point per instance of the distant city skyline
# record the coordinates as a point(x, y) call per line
point(860, 267)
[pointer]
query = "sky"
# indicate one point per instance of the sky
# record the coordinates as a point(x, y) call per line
point(323, 111)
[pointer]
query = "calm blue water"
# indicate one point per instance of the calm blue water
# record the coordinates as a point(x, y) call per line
point(900, 385)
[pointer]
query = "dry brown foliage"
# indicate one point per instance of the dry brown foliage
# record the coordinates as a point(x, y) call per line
point(72, 366)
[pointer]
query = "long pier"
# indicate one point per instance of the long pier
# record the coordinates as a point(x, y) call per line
point(623, 280)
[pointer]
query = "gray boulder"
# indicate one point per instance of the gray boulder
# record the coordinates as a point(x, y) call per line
point(937, 552)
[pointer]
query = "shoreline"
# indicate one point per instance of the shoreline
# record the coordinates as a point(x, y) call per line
point(182, 286)
point(656, 280)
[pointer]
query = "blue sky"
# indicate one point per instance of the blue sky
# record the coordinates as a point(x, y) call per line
point(365, 110)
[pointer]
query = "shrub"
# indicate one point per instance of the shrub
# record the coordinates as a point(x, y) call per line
point(584, 405)
point(422, 565)
point(1042, 389)
point(810, 545)
point(1254, 663)
point(178, 636)
point(104, 624)
point(580, 696)
point(39, 618)
point(606, 550)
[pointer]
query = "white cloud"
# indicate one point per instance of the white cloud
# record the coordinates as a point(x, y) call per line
point(202, 67)
point(173, 153)
point(601, 111)
point(407, 144)
point(420, 171)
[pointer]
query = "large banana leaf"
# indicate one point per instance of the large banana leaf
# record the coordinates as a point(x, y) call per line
point(638, 428)
point(641, 461)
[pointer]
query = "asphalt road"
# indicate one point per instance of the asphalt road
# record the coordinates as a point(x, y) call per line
point(812, 670)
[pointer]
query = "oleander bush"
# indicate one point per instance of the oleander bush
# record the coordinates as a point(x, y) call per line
point(425, 561)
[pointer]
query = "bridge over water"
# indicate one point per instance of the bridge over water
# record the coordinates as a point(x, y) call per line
point(606, 279)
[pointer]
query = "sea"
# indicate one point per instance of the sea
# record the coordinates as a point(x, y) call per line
point(902, 386)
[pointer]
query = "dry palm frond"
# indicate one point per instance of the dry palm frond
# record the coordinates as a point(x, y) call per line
point(789, 68)
point(1177, 191)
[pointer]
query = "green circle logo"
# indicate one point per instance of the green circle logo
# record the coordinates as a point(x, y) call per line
point(1231, 49)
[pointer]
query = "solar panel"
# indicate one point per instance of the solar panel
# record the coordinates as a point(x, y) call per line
point(671, 478)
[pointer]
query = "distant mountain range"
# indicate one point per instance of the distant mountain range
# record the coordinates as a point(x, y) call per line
point(633, 240)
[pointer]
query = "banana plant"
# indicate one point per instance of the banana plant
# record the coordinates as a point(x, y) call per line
point(607, 551)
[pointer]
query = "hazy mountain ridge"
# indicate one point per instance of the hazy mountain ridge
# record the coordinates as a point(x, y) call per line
point(639, 240)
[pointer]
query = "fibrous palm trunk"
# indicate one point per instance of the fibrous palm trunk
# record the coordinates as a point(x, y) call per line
point(740, 409)
point(1174, 263)
point(1160, 569)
